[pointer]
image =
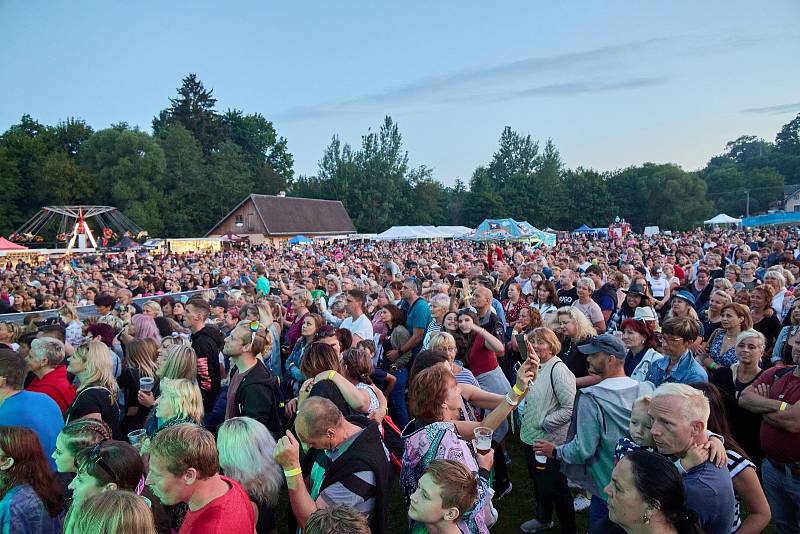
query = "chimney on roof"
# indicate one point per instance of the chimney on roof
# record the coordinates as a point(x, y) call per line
point(281, 193)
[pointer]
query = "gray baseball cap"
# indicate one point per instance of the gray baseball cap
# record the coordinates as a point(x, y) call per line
point(608, 343)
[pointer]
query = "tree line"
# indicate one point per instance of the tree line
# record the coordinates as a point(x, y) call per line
point(198, 163)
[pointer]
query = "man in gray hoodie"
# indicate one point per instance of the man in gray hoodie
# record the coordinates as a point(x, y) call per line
point(601, 416)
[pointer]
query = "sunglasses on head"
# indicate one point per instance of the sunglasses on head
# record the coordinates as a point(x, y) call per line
point(96, 458)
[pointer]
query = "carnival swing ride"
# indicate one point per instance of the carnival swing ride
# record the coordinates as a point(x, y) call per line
point(70, 227)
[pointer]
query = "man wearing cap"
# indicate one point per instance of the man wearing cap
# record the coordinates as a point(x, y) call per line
point(600, 418)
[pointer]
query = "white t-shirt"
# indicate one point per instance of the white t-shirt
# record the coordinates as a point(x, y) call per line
point(361, 327)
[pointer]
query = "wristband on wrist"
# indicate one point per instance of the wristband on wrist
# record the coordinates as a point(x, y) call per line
point(510, 401)
point(331, 375)
point(518, 392)
point(289, 473)
point(783, 407)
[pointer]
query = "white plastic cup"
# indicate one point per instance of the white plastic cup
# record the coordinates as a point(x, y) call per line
point(146, 383)
point(540, 458)
point(136, 436)
point(483, 439)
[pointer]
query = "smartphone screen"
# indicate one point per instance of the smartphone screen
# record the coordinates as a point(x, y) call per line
point(523, 346)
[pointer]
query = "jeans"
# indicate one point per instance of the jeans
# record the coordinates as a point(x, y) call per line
point(551, 491)
point(783, 494)
point(598, 512)
point(397, 400)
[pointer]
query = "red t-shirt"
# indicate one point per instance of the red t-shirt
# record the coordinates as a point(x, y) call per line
point(481, 359)
point(778, 444)
point(228, 514)
point(56, 386)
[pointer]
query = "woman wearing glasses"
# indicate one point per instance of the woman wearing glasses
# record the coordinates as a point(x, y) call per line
point(32, 499)
point(97, 395)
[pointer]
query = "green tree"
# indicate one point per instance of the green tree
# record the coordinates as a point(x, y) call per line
point(194, 110)
point(787, 151)
point(184, 177)
point(266, 153)
point(590, 201)
point(128, 167)
point(429, 198)
point(483, 201)
point(663, 195)
point(71, 134)
point(27, 145)
point(62, 181)
point(230, 180)
point(11, 186)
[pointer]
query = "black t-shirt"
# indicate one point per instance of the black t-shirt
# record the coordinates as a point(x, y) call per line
point(567, 296)
point(129, 389)
point(266, 517)
point(745, 425)
point(95, 400)
point(575, 360)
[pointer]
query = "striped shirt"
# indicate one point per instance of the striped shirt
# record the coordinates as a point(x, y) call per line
point(736, 464)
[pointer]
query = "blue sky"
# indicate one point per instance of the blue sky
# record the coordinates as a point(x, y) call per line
point(612, 83)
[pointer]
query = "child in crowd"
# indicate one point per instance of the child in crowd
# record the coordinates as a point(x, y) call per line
point(641, 438)
point(446, 492)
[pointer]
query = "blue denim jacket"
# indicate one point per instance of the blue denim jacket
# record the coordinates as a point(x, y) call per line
point(686, 371)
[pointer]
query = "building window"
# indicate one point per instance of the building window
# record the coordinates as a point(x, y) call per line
point(239, 220)
point(797, 207)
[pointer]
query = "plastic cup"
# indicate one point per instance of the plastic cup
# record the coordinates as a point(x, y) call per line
point(540, 458)
point(146, 383)
point(483, 439)
point(136, 436)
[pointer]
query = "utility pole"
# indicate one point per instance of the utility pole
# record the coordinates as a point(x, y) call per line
point(748, 202)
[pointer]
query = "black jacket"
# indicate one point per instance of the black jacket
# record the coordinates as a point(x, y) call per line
point(258, 396)
point(207, 343)
point(365, 454)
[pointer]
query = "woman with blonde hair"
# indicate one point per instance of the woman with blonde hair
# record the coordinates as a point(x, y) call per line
point(180, 402)
point(73, 325)
point(140, 362)
point(153, 309)
point(121, 512)
point(97, 395)
point(245, 449)
point(177, 361)
point(576, 329)
point(9, 335)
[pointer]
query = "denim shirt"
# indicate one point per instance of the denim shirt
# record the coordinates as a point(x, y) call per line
point(686, 371)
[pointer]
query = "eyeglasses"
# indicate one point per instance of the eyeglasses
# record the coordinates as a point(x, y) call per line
point(97, 459)
point(672, 339)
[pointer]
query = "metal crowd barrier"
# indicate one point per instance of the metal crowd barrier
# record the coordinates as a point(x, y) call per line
point(88, 311)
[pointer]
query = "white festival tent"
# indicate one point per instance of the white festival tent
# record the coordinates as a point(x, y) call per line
point(396, 233)
point(723, 219)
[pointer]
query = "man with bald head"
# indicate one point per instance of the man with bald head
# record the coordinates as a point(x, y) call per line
point(350, 463)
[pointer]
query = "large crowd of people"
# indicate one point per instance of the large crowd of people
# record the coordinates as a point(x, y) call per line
point(653, 380)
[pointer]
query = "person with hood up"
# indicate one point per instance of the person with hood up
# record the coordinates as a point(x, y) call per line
point(207, 342)
point(600, 418)
point(253, 390)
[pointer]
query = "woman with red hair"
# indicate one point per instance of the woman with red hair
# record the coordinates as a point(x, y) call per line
point(31, 499)
point(640, 340)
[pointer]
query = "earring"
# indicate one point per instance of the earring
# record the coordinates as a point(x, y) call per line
point(646, 518)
